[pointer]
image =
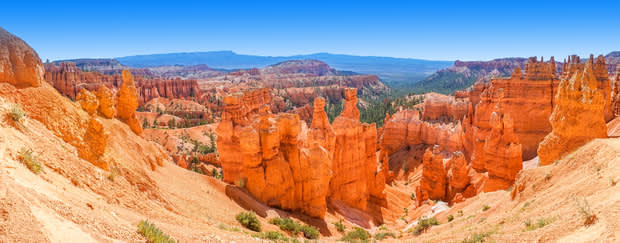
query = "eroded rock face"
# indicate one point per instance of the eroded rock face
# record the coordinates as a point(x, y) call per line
point(528, 98)
point(501, 154)
point(444, 108)
point(274, 164)
point(434, 180)
point(578, 116)
point(616, 92)
point(95, 140)
point(107, 107)
point(19, 63)
point(88, 101)
point(355, 158)
point(284, 164)
point(127, 103)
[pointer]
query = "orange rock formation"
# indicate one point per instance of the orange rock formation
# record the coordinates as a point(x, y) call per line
point(578, 116)
point(88, 101)
point(127, 103)
point(19, 64)
point(284, 164)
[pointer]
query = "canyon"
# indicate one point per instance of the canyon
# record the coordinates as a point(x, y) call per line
point(189, 148)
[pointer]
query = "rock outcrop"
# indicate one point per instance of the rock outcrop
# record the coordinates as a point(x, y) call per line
point(355, 158)
point(88, 101)
point(616, 92)
point(127, 103)
point(284, 164)
point(501, 153)
point(530, 96)
point(20, 65)
point(446, 179)
point(69, 79)
point(578, 116)
point(107, 106)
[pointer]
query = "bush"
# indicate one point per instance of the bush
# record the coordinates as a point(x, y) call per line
point(153, 234)
point(271, 235)
point(585, 211)
point(340, 226)
point(476, 238)
point(383, 235)
point(310, 232)
point(450, 218)
point(289, 225)
point(412, 196)
point(27, 157)
point(17, 113)
point(542, 222)
point(485, 208)
point(424, 224)
point(355, 235)
point(249, 220)
point(241, 183)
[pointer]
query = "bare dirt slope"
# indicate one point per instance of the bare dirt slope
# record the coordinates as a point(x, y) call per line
point(553, 199)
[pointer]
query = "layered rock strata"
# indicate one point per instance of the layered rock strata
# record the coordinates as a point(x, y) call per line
point(578, 117)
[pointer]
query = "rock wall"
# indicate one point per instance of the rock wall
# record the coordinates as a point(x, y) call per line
point(528, 98)
point(578, 117)
point(68, 79)
point(283, 163)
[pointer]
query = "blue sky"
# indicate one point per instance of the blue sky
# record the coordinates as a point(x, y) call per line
point(437, 30)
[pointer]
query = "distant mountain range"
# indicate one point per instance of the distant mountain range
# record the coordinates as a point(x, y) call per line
point(389, 69)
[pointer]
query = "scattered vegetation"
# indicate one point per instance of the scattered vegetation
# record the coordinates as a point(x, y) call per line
point(114, 171)
point(271, 235)
point(485, 208)
point(249, 220)
point(612, 182)
point(424, 224)
point(383, 235)
point(153, 234)
point(294, 228)
point(340, 226)
point(412, 196)
point(450, 218)
point(476, 238)
point(17, 113)
point(542, 222)
point(216, 174)
point(460, 213)
point(27, 157)
point(589, 218)
point(358, 234)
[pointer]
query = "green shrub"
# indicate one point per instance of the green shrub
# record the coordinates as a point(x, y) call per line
point(271, 235)
point(412, 196)
point(340, 226)
point(249, 220)
point(27, 157)
point(460, 213)
point(485, 208)
point(310, 232)
point(153, 234)
point(16, 112)
point(358, 234)
point(383, 235)
point(424, 224)
point(476, 238)
point(542, 222)
point(585, 211)
point(450, 218)
point(289, 225)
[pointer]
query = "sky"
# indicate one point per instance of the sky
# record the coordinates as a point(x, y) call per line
point(434, 30)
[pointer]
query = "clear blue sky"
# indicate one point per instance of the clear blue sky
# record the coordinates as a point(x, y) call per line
point(437, 30)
